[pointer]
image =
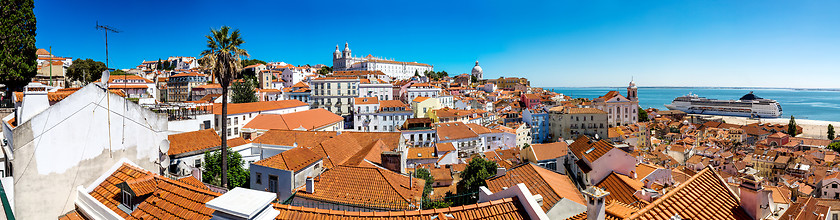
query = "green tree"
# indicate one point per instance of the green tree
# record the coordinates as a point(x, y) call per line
point(325, 70)
point(243, 90)
point(118, 72)
point(834, 146)
point(792, 127)
point(830, 132)
point(643, 115)
point(424, 174)
point(478, 170)
point(85, 71)
point(17, 43)
point(212, 169)
point(159, 65)
point(248, 62)
point(223, 57)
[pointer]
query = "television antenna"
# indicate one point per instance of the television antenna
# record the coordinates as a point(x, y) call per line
point(107, 29)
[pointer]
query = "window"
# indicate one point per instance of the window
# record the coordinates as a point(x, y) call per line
point(834, 185)
point(197, 163)
point(259, 178)
point(236, 120)
point(126, 200)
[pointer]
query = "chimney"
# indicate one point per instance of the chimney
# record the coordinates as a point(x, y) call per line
point(500, 171)
point(310, 185)
point(34, 101)
point(410, 180)
point(754, 198)
point(595, 207)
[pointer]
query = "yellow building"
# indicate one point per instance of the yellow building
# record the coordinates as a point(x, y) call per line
point(511, 82)
point(421, 106)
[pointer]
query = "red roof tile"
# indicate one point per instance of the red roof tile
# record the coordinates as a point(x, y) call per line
point(552, 186)
point(309, 119)
point(293, 160)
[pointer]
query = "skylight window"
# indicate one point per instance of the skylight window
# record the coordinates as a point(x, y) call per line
point(590, 150)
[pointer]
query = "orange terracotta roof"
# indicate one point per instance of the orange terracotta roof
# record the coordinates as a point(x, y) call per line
point(309, 120)
point(349, 148)
point(293, 160)
point(508, 209)
point(591, 151)
point(807, 208)
point(59, 95)
point(209, 97)
point(614, 210)
point(42, 51)
point(366, 187)
point(445, 147)
point(420, 99)
point(72, 215)
point(187, 74)
point(421, 153)
point(643, 169)
point(366, 100)
point(192, 181)
point(621, 188)
point(300, 84)
point(170, 199)
point(454, 131)
point(392, 104)
point(193, 141)
point(551, 185)
point(550, 150)
point(610, 95)
point(704, 196)
point(238, 108)
point(127, 86)
point(585, 111)
point(334, 78)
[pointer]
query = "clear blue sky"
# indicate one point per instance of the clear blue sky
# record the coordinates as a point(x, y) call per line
point(553, 43)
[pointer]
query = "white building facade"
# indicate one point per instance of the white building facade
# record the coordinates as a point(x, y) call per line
point(344, 61)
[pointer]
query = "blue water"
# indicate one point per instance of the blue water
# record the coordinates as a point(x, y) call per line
point(804, 104)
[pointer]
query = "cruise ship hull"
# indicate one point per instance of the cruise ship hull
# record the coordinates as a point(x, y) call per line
point(722, 113)
point(748, 106)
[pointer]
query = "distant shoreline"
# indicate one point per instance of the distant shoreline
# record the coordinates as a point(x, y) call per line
point(701, 87)
point(810, 128)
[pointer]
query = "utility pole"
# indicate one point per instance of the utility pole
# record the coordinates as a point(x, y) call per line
point(50, 63)
point(107, 29)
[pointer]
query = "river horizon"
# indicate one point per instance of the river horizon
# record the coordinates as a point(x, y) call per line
point(802, 103)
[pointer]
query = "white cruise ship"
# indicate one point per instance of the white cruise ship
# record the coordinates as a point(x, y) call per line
point(749, 105)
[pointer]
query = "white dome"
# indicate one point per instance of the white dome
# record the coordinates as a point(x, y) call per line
point(477, 69)
point(632, 84)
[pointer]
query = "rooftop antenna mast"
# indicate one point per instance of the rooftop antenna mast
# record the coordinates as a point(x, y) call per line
point(107, 29)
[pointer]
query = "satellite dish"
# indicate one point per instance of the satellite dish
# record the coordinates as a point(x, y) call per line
point(105, 76)
point(164, 147)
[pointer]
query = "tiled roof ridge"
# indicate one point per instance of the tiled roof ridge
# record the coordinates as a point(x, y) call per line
point(682, 186)
point(342, 214)
point(323, 149)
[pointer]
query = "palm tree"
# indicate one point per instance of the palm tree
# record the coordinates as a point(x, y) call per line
point(223, 57)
